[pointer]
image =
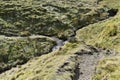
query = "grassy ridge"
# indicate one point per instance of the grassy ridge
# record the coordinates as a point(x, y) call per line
point(106, 35)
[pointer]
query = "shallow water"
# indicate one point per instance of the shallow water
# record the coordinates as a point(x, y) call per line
point(59, 43)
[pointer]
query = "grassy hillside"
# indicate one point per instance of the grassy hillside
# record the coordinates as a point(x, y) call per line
point(53, 66)
point(106, 35)
point(94, 23)
point(51, 18)
point(18, 50)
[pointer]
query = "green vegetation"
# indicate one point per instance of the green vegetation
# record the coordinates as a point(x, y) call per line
point(46, 67)
point(17, 50)
point(109, 69)
point(51, 18)
point(106, 35)
point(98, 25)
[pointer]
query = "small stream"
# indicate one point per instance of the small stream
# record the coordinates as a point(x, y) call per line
point(59, 42)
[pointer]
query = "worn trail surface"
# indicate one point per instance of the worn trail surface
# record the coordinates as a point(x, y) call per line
point(87, 61)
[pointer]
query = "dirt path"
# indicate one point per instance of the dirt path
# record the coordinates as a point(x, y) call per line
point(87, 66)
point(87, 61)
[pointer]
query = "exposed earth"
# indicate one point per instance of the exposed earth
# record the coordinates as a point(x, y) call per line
point(59, 40)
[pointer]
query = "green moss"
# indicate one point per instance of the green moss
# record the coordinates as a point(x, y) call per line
point(19, 50)
point(40, 17)
point(59, 19)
